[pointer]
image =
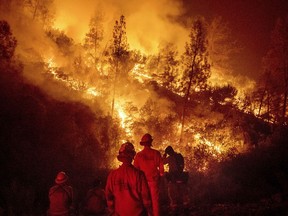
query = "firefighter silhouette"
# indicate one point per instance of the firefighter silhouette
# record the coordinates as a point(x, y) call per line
point(127, 191)
point(176, 179)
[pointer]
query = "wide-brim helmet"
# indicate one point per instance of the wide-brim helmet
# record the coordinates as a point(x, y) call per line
point(126, 151)
point(61, 178)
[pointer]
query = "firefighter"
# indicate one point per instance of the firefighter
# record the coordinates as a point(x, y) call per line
point(61, 197)
point(177, 179)
point(127, 191)
point(149, 160)
point(95, 201)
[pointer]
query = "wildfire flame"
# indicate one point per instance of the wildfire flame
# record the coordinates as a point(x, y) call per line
point(216, 150)
point(122, 113)
point(139, 74)
point(214, 147)
point(197, 138)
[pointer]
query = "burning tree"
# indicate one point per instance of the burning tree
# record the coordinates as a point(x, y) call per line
point(168, 67)
point(119, 54)
point(94, 38)
point(196, 69)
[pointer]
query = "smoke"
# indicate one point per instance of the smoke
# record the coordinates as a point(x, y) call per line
point(148, 22)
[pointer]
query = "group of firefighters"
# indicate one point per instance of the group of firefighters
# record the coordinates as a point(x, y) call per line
point(133, 189)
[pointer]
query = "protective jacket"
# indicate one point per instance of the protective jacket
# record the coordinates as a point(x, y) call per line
point(177, 179)
point(175, 162)
point(61, 200)
point(127, 192)
point(150, 162)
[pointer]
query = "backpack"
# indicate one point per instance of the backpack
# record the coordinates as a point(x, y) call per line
point(179, 176)
point(179, 162)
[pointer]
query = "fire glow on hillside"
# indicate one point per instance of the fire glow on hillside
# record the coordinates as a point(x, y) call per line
point(219, 144)
point(85, 60)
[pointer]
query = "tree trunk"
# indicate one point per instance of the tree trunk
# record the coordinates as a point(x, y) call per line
point(185, 104)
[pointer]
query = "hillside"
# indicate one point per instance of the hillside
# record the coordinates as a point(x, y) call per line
point(41, 135)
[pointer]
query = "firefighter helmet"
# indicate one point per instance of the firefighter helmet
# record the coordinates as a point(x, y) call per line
point(126, 151)
point(61, 178)
point(146, 139)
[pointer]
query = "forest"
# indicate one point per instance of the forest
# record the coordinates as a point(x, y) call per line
point(69, 106)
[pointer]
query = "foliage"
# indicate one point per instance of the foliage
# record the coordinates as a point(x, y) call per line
point(168, 67)
point(118, 57)
point(196, 69)
point(94, 38)
point(222, 95)
point(41, 136)
point(120, 45)
point(63, 42)
point(273, 101)
point(153, 119)
point(7, 41)
point(222, 46)
point(257, 179)
point(41, 10)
